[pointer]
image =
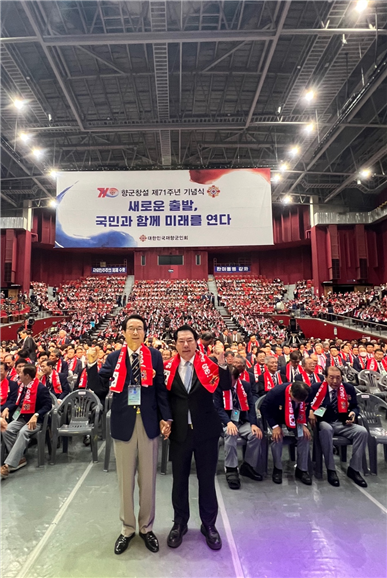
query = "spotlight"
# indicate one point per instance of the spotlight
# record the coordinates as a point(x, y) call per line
point(287, 199)
point(276, 179)
point(309, 96)
point(53, 203)
point(18, 103)
point(54, 173)
point(365, 173)
point(25, 137)
point(309, 128)
point(361, 5)
point(37, 153)
point(294, 151)
point(283, 167)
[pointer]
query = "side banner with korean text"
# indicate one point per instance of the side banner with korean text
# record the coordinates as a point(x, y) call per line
point(197, 208)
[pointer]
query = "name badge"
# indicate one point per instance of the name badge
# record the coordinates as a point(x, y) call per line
point(134, 395)
point(320, 411)
point(16, 414)
point(300, 431)
point(235, 413)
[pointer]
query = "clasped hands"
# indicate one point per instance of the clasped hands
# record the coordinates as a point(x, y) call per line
point(165, 428)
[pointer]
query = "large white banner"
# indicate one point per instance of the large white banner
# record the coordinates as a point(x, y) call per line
point(198, 208)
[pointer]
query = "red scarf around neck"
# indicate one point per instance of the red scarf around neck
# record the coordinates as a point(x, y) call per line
point(332, 360)
point(342, 400)
point(245, 376)
point(12, 374)
point(206, 370)
point(72, 363)
point(257, 371)
point(146, 369)
point(242, 397)
point(269, 383)
point(4, 387)
point(55, 380)
point(59, 366)
point(83, 380)
point(289, 412)
point(372, 364)
point(289, 368)
point(29, 401)
point(362, 361)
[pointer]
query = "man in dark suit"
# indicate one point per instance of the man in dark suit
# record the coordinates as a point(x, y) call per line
point(32, 404)
point(236, 410)
point(291, 369)
point(334, 409)
point(334, 359)
point(28, 345)
point(55, 382)
point(285, 357)
point(60, 364)
point(135, 376)
point(62, 338)
point(285, 405)
point(270, 378)
point(191, 379)
point(307, 372)
point(9, 391)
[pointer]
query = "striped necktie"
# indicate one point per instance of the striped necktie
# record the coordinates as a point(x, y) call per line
point(136, 374)
point(334, 400)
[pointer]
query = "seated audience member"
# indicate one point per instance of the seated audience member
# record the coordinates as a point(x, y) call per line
point(270, 377)
point(205, 342)
point(9, 391)
point(60, 364)
point(240, 363)
point(308, 372)
point(333, 411)
point(334, 359)
point(10, 361)
point(236, 410)
point(360, 362)
point(378, 362)
point(259, 366)
point(285, 357)
point(55, 382)
point(292, 368)
point(286, 405)
point(32, 404)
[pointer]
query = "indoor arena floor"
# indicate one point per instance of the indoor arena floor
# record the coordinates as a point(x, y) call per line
point(62, 521)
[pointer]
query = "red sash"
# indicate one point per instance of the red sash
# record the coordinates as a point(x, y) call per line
point(242, 397)
point(4, 386)
point(372, 364)
point(248, 364)
point(59, 366)
point(333, 364)
point(72, 363)
point(12, 374)
point(361, 361)
point(55, 381)
point(206, 370)
point(245, 376)
point(289, 367)
point(83, 380)
point(257, 371)
point(29, 401)
point(348, 357)
point(250, 346)
point(202, 349)
point(305, 376)
point(269, 383)
point(289, 412)
point(146, 369)
point(342, 400)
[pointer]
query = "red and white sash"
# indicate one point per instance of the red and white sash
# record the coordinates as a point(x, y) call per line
point(245, 376)
point(342, 400)
point(248, 364)
point(201, 347)
point(146, 369)
point(72, 363)
point(372, 364)
point(206, 370)
point(257, 371)
point(12, 374)
point(348, 357)
point(59, 366)
point(361, 360)
point(83, 380)
point(269, 383)
point(242, 397)
point(55, 381)
point(4, 387)
point(289, 368)
point(289, 412)
point(29, 401)
point(332, 360)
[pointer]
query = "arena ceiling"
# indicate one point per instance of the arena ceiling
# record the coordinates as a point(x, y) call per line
point(124, 85)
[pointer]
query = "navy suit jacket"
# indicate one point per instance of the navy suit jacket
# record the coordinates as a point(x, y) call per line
point(357, 366)
point(154, 399)
point(320, 378)
point(273, 406)
point(225, 415)
point(65, 369)
point(42, 406)
point(65, 387)
point(329, 415)
point(12, 395)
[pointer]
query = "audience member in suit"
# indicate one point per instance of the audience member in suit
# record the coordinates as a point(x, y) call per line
point(9, 391)
point(61, 365)
point(32, 404)
point(28, 345)
point(285, 405)
point(360, 362)
point(307, 372)
point(285, 358)
point(236, 410)
point(289, 372)
point(333, 410)
point(236, 336)
point(270, 378)
point(191, 380)
point(334, 359)
point(240, 363)
point(62, 338)
point(135, 376)
point(259, 367)
point(55, 382)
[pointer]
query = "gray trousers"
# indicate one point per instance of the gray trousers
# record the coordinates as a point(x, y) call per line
point(252, 447)
point(139, 454)
point(357, 433)
point(302, 453)
point(16, 438)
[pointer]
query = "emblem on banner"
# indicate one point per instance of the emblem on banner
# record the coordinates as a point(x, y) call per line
point(213, 191)
point(111, 193)
point(142, 238)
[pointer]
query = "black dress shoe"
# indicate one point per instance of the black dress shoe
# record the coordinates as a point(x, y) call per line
point(248, 471)
point(175, 537)
point(277, 476)
point(304, 477)
point(213, 539)
point(333, 479)
point(356, 477)
point(122, 543)
point(151, 542)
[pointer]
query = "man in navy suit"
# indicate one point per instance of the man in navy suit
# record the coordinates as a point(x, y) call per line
point(334, 409)
point(135, 375)
point(308, 375)
point(236, 410)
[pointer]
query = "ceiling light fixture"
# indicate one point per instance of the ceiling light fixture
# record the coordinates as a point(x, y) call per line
point(294, 151)
point(53, 203)
point(18, 103)
point(309, 96)
point(309, 128)
point(24, 137)
point(37, 153)
point(287, 199)
point(54, 173)
point(283, 167)
point(361, 5)
point(276, 179)
point(365, 173)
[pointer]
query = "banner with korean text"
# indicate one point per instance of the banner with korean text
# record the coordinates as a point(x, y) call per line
point(197, 208)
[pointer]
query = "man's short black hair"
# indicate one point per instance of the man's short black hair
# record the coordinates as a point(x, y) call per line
point(185, 327)
point(49, 362)
point(21, 361)
point(207, 336)
point(133, 316)
point(294, 356)
point(229, 352)
point(333, 367)
point(29, 370)
point(300, 390)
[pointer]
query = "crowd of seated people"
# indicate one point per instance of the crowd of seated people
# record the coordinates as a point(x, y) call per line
point(13, 308)
point(258, 294)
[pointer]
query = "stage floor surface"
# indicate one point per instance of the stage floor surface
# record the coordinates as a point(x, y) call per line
point(62, 521)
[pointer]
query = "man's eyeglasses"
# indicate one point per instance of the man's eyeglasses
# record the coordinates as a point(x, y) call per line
point(133, 329)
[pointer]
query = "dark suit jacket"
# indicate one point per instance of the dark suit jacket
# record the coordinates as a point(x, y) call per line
point(78, 367)
point(273, 406)
point(357, 366)
point(282, 361)
point(12, 395)
point(225, 415)
point(331, 416)
point(65, 369)
point(260, 386)
point(30, 346)
point(200, 402)
point(65, 387)
point(154, 399)
point(329, 362)
point(320, 378)
point(43, 404)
